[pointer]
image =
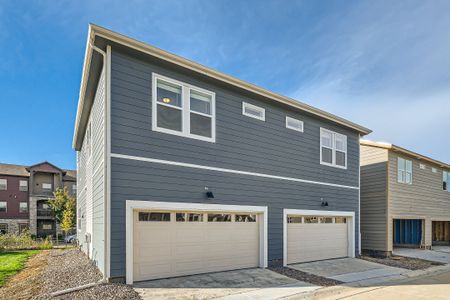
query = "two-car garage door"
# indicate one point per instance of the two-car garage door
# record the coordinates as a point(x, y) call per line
point(311, 238)
point(177, 243)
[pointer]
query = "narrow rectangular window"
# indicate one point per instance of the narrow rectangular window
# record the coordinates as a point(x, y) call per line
point(404, 170)
point(445, 180)
point(154, 216)
point(340, 220)
point(294, 219)
point(47, 226)
point(23, 185)
point(46, 186)
point(326, 220)
point(219, 218)
point(253, 111)
point(333, 148)
point(311, 220)
point(294, 124)
point(245, 218)
point(23, 207)
point(3, 184)
point(3, 206)
point(182, 109)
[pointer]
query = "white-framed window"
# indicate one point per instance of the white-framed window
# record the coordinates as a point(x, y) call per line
point(47, 186)
point(183, 109)
point(253, 111)
point(3, 206)
point(445, 180)
point(404, 170)
point(23, 185)
point(23, 207)
point(422, 166)
point(294, 124)
point(433, 170)
point(3, 184)
point(333, 149)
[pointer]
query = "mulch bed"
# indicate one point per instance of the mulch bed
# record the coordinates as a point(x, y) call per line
point(403, 262)
point(306, 277)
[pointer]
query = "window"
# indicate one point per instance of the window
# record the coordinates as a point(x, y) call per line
point(3, 206)
point(404, 171)
point(433, 170)
point(3, 184)
point(45, 206)
point(340, 220)
point(23, 185)
point(79, 219)
point(23, 227)
point(47, 226)
point(294, 219)
point(310, 220)
point(333, 149)
point(245, 218)
point(182, 109)
point(47, 186)
point(3, 228)
point(219, 218)
point(294, 124)
point(23, 207)
point(189, 217)
point(422, 166)
point(325, 220)
point(154, 216)
point(253, 111)
point(445, 180)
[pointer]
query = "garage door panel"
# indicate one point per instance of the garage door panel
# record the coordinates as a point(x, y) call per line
point(316, 241)
point(167, 249)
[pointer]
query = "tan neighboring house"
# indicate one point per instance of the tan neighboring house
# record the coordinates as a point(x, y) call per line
point(405, 199)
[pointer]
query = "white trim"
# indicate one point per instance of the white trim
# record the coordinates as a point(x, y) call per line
point(350, 223)
point(359, 199)
point(188, 165)
point(185, 109)
point(295, 120)
point(262, 110)
point(333, 148)
point(107, 216)
point(132, 205)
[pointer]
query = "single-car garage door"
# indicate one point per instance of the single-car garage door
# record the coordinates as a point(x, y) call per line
point(311, 238)
point(178, 243)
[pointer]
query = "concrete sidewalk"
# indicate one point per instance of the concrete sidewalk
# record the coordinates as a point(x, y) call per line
point(439, 254)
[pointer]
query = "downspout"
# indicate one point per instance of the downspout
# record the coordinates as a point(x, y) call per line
point(105, 206)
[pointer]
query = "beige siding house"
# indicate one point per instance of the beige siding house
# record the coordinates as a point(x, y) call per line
point(405, 199)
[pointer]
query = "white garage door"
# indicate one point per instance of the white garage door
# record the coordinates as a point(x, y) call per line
point(311, 238)
point(168, 244)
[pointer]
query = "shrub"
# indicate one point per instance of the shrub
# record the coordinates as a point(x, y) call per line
point(23, 241)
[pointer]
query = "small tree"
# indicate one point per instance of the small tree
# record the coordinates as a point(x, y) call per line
point(69, 216)
point(60, 203)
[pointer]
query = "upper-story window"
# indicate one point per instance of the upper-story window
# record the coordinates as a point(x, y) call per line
point(333, 148)
point(23, 207)
point(445, 181)
point(294, 124)
point(182, 109)
point(3, 206)
point(3, 184)
point(47, 186)
point(433, 170)
point(404, 170)
point(422, 166)
point(253, 111)
point(23, 185)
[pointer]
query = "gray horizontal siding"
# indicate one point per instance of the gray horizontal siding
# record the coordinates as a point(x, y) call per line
point(242, 143)
point(137, 180)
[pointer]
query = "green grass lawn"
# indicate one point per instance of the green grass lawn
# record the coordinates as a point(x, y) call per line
point(12, 262)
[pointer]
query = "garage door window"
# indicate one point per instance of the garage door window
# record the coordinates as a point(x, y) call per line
point(340, 220)
point(294, 219)
point(245, 218)
point(189, 217)
point(154, 216)
point(219, 218)
point(310, 220)
point(325, 220)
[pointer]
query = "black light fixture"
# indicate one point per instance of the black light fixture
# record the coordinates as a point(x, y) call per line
point(209, 194)
point(324, 203)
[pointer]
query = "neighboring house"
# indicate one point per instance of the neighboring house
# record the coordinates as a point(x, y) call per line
point(185, 170)
point(405, 199)
point(24, 193)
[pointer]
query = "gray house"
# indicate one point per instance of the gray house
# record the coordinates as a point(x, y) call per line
point(185, 170)
point(405, 199)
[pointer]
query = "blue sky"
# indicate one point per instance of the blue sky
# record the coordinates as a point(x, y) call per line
point(383, 64)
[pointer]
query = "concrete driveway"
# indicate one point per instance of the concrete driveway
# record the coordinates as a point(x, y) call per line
point(240, 284)
point(438, 254)
point(348, 269)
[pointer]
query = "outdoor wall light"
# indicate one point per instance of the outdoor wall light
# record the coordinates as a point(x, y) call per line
point(209, 194)
point(324, 203)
